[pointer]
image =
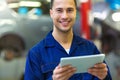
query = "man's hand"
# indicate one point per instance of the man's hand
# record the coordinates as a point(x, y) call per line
point(63, 73)
point(99, 70)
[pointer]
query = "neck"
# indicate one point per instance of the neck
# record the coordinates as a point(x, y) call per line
point(64, 38)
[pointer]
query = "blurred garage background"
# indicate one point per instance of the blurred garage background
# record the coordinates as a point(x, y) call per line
point(25, 22)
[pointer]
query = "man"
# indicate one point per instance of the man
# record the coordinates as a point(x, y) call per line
point(43, 59)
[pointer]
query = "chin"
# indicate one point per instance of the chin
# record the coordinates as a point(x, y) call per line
point(66, 30)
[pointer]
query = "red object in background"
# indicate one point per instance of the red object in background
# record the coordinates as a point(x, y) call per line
point(84, 12)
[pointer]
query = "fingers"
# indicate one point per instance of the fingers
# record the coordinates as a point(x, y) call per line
point(99, 70)
point(63, 73)
point(100, 65)
point(59, 69)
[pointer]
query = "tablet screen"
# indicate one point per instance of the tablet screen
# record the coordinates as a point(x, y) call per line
point(82, 63)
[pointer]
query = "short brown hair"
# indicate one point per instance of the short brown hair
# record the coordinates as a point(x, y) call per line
point(51, 3)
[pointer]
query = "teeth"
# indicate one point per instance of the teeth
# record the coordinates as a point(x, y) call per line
point(64, 21)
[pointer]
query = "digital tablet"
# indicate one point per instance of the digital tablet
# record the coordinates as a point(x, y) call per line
point(82, 63)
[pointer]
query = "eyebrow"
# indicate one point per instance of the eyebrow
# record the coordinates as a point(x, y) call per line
point(67, 8)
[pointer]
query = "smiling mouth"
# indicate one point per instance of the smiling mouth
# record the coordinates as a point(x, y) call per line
point(64, 23)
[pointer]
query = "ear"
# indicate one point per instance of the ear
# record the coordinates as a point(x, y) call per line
point(51, 13)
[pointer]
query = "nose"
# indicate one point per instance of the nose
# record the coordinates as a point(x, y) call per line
point(65, 15)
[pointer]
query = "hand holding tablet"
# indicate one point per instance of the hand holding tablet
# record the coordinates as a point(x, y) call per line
point(82, 63)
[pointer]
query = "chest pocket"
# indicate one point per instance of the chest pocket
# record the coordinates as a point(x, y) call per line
point(46, 68)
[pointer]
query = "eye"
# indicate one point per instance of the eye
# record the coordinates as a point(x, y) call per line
point(59, 10)
point(70, 10)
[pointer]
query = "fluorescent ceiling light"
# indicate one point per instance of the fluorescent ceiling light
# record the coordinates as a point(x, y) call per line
point(13, 5)
point(116, 16)
point(83, 1)
point(29, 3)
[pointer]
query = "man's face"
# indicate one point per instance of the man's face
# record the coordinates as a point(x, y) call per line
point(63, 14)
